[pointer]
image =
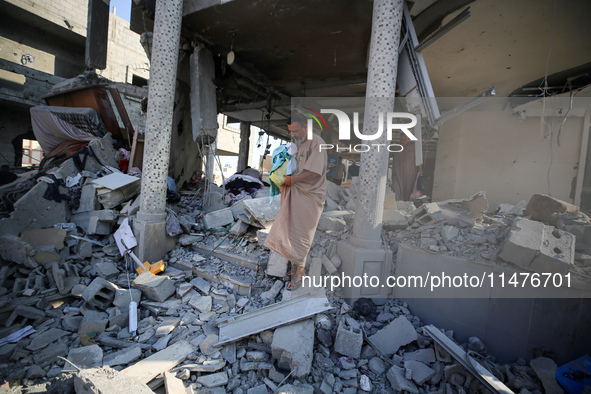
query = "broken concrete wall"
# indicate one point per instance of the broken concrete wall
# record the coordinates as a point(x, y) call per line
point(184, 152)
point(491, 149)
point(510, 327)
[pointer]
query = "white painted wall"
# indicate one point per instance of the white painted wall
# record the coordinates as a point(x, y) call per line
point(492, 150)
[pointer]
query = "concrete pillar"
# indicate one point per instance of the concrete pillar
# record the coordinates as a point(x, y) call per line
point(150, 226)
point(365, 254)
point(210, 163)
point(244, 146)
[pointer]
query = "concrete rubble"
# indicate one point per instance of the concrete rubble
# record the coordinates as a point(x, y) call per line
point(70, 283)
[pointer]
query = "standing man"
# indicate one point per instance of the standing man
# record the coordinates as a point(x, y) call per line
point(302, 201)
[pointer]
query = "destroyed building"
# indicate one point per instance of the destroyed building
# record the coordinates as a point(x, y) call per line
point(112, 280)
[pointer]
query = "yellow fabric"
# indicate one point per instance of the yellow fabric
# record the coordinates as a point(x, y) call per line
point(278, 176)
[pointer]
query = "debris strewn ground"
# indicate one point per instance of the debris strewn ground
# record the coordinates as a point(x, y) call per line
point(65, 294)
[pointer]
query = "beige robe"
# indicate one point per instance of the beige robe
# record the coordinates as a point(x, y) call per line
point(301, 206)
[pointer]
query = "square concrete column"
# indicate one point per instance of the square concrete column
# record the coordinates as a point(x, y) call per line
point(365, 253)
point(150, 226)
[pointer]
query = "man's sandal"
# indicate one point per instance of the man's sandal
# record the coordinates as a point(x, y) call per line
point(294, 284)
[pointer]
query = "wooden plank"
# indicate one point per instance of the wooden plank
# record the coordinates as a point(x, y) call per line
point(122, 113)
point(275, 315)
point(137, 151)
point(158, 363)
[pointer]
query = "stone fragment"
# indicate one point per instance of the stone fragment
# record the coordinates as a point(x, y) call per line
point(100, 293)
point(541, 208)
point(293, 347)
point(260, 389)
point(202, 285)
point(35, 372)
point(365, 383)
point(14, 249)
point(162, 343)
point(219, 218)
point(156, 288)
point(107, 380)
point(123, 357)
point(523, 242)
point(24, 315)
point(420, 372)
point(292, 389)
point(46, 338)
point(261, 211)
point(50, 354)
point(84, 357)
point(124, 296)
point(428, 214)
point(396, 377)
point(207, 346)
point(545, 370)
point(45, 255)
point(93, 323)
point(277, 265)
point(329, 223)
point(426, 356)
point(96, 222)
point(394, 220)
point(214, 380)
point(377, 366)
point(239, 228)
point(201, 303)
point(398, 333)
point(557, 252)
point(270, 294)
point(348, 342)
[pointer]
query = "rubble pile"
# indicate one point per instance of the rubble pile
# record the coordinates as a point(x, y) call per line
point(219, 318)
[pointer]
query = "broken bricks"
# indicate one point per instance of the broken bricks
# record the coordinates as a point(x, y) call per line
point(100, 293)
point(534, 245)
point(156, 288)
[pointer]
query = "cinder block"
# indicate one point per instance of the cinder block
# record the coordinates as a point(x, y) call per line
point(347, 342)
point(277, 265)
point(219, 218)
point(557, 252)
point(156, 288)
point(523, 243)
point(100, 293)
point(24, 315)
point(428, 214)
point(293, 347)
